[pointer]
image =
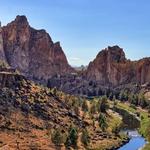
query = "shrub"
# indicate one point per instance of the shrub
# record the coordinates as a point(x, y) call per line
point(93, 108)
point(85, 137)
point(72, 138)
point(85, 106)
point(103, 104)
point(102, 122)
point(57, 137)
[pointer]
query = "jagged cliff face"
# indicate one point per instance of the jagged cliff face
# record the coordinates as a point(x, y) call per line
point(35, 55)
point(32, 51)
point(112, 68)
point(143, 70)
point(109, 72)
point(2, 55)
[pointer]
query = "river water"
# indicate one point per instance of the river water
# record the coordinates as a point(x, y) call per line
point(136, 141)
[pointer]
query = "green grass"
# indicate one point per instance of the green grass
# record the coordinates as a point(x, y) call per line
point(113, 122)
point(145, 122)
point(126, 107)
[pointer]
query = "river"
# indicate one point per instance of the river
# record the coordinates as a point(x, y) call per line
point(136, 141)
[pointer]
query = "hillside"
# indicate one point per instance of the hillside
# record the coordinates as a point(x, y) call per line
point(30, 114)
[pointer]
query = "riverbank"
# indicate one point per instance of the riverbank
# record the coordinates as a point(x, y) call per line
point(136, 141)
point(123, 142)
point(146, 147)
point(144, 117)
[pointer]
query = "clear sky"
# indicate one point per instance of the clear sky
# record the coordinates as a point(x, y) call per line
point(84, 27)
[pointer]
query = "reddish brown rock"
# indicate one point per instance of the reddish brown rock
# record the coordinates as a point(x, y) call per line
point(32, 51)
point(143, 70)
point(112, 68)
point(35, 55)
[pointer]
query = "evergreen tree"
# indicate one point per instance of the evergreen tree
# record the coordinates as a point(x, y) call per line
point(54, 90)
point(142, 101)
point(85, 106)
point(103, 104)
point(72, 138)
point(100, 92)
point(93, 109)
point(57, 137)
point(114, 98)
point(111, 96)
point(102, 122)
point(85, 137)
point(76, 110)
point(123, 96)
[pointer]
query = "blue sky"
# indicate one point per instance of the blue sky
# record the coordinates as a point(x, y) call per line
point(84, 27)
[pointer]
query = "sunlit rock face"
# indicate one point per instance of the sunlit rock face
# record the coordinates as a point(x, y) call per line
point(36, 56)
point(112, 68)
point(32, 51)
point(2, 54)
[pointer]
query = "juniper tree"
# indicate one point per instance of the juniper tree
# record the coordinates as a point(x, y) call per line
point(85, 106)
point(85, 137)
point(103, 105)
point(102, 122)
point(72, 138)
point(57, 137)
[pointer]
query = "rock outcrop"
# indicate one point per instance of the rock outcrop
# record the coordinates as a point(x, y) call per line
point(2, 54)
point(110, 71)
point(36, 56)
point(112, 68)
point(32, 51)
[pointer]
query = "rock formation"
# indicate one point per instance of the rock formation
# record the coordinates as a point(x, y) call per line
point(36, 56)
point(112, 68)
point(32, 51)
point(2, 55)
point(110, 71)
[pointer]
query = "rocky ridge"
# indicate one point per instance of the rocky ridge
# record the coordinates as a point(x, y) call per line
point(32, 51)
point(30, 113)
point(111, 67)
point(109, 72)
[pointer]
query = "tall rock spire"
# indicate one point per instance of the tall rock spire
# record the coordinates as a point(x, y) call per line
point(32, 51)
point(2, 54)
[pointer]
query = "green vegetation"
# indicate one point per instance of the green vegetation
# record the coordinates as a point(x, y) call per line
point(99, 114)
point(93, 109)
point(85, 139)
point(3, 64)
point(145, 120)
point(103, 104)
point(57, 137)
point(135, 99)
point(126, 106)
point(102, 122)
point(145, 128)
point(94, 122)
point(72, 138)
point(85, 106)
point(146, 147)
